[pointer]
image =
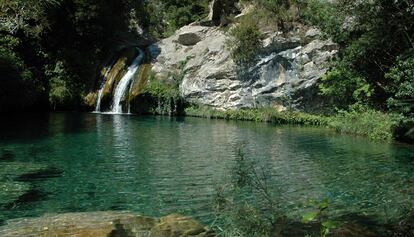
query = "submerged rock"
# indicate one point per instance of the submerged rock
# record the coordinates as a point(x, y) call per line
point(12, 170)
point(13, 191)
point(42, 174)
point(105, 224)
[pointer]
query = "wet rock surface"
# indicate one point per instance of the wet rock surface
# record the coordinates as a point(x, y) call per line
point(105, 224)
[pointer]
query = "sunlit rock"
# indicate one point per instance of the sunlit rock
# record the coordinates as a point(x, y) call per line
point(285, 74)
point(104, 224)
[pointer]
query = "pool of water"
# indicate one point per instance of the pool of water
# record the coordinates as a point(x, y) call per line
point(160, 165)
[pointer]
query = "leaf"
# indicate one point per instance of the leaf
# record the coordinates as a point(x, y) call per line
point(329, 224)
point(311, 216)
point(324, 204)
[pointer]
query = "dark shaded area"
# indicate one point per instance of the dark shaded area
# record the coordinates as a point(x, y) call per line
point(7, 155)
point(25, 127)
point(120, 231)
point(41, 175)
point(31, 196)
point(147, 104)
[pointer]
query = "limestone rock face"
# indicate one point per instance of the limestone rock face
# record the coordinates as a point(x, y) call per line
point(105, 224)
point(285, 74)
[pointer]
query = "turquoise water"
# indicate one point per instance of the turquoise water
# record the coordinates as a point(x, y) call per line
point(159, 165)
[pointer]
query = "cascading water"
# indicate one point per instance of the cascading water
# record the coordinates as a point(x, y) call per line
point(123, 84)
point(100, 92)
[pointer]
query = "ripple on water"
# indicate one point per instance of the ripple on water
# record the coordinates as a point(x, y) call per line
point(156, 165)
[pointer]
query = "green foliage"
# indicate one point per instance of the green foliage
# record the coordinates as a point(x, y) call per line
point(17, 89)
point(61, 92)
point(259, 115)
point(401, 85)
point(372, 36)
point(168, 16)
point(367, 122)
point(245, 207)
point(163, 89)
point(27, 16)
point(319, 215)
point(166, 91)
point(275, 14)
point(345, 87)
point(37, 34)
point(327, 17)
point(245, 43)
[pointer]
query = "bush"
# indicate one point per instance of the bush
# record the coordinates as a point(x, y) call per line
point(62, 92)
point(401, 85)
point(245, 43)
point(161, 95)
point(367, 122)
point(259, 115)
point(344, 87)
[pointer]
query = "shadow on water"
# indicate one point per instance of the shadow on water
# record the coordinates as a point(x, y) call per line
point(40, 175)
point(32, 196)
point(7, 155)
point(24, 127)
point(28, 128)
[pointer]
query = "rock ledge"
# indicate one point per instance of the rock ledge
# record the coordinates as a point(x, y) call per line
point(105, 224)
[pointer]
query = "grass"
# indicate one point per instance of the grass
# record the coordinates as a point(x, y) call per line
point(370, 123)
point(373, 124)
point(269, 115)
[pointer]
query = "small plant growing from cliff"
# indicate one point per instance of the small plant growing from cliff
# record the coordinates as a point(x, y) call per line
point(245, 43)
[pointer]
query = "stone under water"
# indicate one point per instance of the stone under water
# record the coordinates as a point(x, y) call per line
point(105, 224)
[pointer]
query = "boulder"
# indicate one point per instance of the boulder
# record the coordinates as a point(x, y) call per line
point(188, 38)
point(178, 226)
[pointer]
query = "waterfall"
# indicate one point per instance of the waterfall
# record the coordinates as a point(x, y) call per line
point(98, 102)
point(123, 84)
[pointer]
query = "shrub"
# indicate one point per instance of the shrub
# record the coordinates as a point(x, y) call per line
point(361, 120)
point(344, 87)
point(401, 85)
point(259, 115)
point(245, 43)
point(62, 92)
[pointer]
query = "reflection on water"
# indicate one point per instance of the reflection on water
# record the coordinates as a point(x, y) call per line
point(156, 165)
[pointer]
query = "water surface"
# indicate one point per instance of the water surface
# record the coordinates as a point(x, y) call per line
point(159, 165)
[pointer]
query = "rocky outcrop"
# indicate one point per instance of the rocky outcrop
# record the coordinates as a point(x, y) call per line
point(221, 9)
point(105, 224)
point(285, 75)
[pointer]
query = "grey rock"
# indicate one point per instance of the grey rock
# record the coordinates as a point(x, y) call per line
point(285, 74)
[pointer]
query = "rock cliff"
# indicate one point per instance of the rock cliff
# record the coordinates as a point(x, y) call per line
point(286, 74)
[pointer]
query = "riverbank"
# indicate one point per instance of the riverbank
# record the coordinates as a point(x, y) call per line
point(375, 125)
